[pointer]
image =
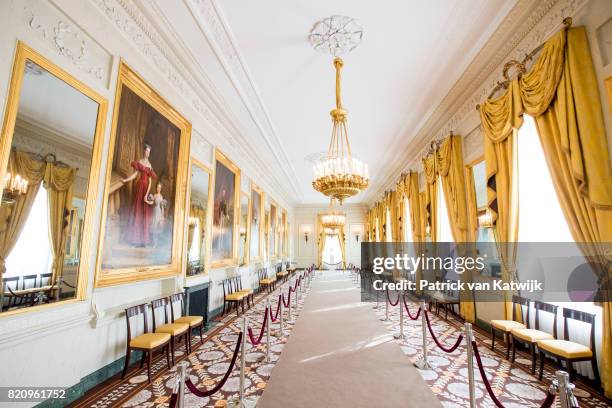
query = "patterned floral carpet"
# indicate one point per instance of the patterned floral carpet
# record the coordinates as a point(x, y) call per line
point(513, 384)
point(206, 365)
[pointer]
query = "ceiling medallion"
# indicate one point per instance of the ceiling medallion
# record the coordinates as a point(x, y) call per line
point(339, 175)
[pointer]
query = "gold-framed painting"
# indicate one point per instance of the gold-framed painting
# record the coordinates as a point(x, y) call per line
point(256, 224)
point(244, 229)
point(226, 201)
point(284, 232)
point(199, 219)
point(144, 203)
point(273, 230)
point(41, 146)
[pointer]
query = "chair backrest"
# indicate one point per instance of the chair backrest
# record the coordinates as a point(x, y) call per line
point(174, 299)
point(237, 283)
point(227, 286)
point(29, 281)
point(161, 303)
point(579, 315)
point(135, 311)
point(546, 307)
point(10, 282)
point(45, 279)
point(520, 302)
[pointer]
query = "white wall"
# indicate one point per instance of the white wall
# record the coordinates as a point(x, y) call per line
point(60, 345)
point(305, 253)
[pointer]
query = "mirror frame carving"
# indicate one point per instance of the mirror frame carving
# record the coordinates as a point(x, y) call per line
point(208, 226)
point(23, 53)
point(129, 78)
point(262, 221)
point(233, 261)
point(273, 229)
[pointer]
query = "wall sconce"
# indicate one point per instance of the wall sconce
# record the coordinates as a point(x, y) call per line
point(358, 232)
point(306, 231)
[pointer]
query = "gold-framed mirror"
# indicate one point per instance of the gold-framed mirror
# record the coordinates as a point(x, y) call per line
point(256, 224)
point(199, 217)
point(50, 151)
point(244, 229)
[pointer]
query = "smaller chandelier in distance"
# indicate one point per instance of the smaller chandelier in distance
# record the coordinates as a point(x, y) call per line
point(339, 175)
point(333, 220)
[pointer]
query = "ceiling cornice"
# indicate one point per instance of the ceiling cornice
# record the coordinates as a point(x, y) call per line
point(212, 23)
point(144, 32)
point(528, 24)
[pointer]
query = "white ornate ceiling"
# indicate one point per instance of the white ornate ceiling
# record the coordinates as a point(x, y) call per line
point(278, 90)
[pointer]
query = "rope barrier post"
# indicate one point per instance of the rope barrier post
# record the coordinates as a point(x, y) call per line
point(386, 318)
point(400, 335)
point(469, 336)
point(565, 390)
point(182, 368)
point(282, 312)
point(267, 359)
point(422, 363)
point(377, 295)
point(242, 402)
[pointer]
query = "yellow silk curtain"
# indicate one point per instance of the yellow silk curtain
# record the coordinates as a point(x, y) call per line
point(472, 205)
point(449, 158)
point(393, 201)
point(58, 182)
point(431, 195)
point(342, 239)
point(14, 215)
point(561, 93)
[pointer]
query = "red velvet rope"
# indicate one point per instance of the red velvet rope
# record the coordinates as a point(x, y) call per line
point(547, 403)
point(445, 349)
point(277, 309)
point(409, 314)
point(199, 393)
point(173, 400)
point(261, 332)
point(286, 304)
point(389, 300)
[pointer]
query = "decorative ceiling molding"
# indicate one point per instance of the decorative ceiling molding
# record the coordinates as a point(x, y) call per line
point(527, 25)
point(130, 20)
point(213, 24)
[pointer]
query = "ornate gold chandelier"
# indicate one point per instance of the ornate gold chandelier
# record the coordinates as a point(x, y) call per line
point(332, 221)
point(339, 175)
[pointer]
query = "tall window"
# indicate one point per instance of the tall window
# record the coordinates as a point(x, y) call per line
point(32, 252)
point(194, 250)
point(445, 234)
point(540, 215)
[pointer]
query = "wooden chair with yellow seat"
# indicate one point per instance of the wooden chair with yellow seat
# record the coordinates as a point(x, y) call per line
point(280, 274)
point(264, 281)
point(250, 295)
point(530, 337)
point(194, 322)
point(570, 351)
point(505, 326)
point(231, 296)
point(177, 331)
point(147, 343)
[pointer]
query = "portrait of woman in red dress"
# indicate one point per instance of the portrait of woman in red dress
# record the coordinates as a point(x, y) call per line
point(139, 222)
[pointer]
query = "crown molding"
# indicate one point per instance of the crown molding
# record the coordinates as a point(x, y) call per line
point(144, 31)
point(528, 24)
point(212, 22)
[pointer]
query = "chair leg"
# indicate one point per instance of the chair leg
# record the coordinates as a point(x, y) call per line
point(149, 355)
point(201, 336)
point(569, 368)
point(492, 338)
point(167, 349)
point(595, 370)
point(507, 341)
point(513, 349)
point(127, 362)
point(541, 365)
point(237, 310)
point(532, 348)
point(172, 348)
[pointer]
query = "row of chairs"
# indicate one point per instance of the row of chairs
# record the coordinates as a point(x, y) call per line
point(14, 286)
point(168, 329)
point(517, 331)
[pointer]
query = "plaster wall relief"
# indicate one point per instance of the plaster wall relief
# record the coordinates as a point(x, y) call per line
point(67, 39)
